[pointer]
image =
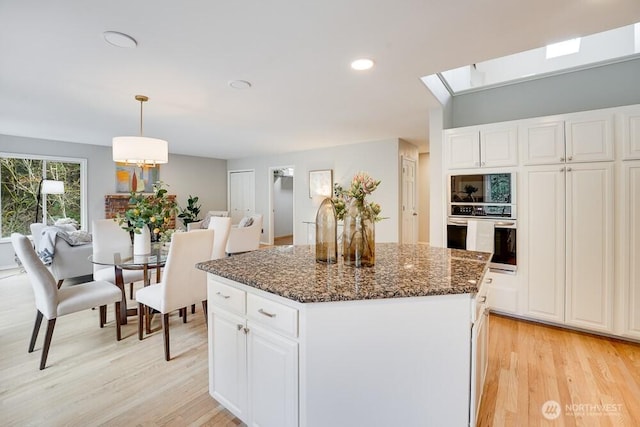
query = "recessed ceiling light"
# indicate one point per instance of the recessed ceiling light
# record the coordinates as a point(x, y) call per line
point(362, 64)
point(119, 39)
point(240, 84)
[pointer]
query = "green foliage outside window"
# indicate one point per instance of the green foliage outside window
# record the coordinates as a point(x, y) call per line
point(19, 181)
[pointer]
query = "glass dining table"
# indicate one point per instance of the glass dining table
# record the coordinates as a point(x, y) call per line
point(124, 259)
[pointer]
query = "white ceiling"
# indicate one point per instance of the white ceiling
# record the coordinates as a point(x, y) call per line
point(60, 80)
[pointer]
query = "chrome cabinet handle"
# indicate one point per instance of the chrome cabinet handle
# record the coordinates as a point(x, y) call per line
point(562, 159)
point(266, 313)
point(568, 169)
point(489, 280)
point(239, 326)
point(503, 223)
point(482, 164)
point(223, 295)
point(483, 299)
point(245, 330)
point(569, 158)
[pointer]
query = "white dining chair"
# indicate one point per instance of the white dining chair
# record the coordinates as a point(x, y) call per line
point(52, 302)
point(222, 228)
point(182, 283)
point(108, 236)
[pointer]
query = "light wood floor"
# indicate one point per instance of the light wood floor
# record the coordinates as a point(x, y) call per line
point(91, 379)
point(530, 364)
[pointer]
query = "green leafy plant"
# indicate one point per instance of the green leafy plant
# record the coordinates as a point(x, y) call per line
point(154, 211)
point(191, 212)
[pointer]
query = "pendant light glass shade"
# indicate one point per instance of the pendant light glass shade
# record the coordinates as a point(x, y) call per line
point(140, 150)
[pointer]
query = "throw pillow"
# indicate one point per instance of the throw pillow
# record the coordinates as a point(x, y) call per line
point(245, 222)
point(205, 222)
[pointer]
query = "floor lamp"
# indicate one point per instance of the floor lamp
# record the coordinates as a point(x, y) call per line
point(47, 186)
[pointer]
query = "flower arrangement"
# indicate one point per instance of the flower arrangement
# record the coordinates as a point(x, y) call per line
point(359, 217)
point(362, 185)
point(153, 211)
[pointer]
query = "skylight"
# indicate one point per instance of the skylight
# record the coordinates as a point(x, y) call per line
point(563, 48)
point(620, 44)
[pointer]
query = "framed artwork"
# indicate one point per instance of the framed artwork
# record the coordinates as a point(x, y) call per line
point(136, 178)
point(321, 183)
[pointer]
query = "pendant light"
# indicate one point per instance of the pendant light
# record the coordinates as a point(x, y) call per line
point(140, 150)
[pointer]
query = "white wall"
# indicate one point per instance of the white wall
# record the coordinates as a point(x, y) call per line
point(283, 205)
point(184, 175)
point(379, 159)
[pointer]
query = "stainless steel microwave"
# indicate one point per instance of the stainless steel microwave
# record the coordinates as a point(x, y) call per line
point(491, 195)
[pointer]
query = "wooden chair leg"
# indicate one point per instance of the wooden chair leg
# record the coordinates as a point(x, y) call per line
point(118, 322)
point(141, 317)
point(103, 315)
point(204, 309)
point(36, 329)
point(184, 315)
point(47, 343)
point(131, 290)
point(165, 328)
point(193, 308)
point(60, 283)
point(148, 315)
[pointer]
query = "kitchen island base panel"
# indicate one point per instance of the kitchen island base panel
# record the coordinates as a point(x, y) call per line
point(402, 361)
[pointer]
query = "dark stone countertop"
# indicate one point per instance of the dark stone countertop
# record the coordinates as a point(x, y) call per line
point(401, 270)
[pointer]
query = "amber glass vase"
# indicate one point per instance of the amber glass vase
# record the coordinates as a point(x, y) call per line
point(326, 233)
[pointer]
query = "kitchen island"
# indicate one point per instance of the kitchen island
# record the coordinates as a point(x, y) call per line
point(293, 342)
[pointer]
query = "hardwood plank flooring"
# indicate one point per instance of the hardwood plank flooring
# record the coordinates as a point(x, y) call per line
point(93, 380)
point(594, 381)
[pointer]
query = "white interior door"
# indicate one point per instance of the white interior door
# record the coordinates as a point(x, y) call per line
point(242, 201)
point(409, 211)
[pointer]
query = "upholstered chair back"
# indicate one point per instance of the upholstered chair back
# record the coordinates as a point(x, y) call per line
point(222, 227)
point(182, 283)
point(42, 281)
point(108, 236)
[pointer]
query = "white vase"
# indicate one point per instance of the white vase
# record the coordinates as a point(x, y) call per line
point(142, 242)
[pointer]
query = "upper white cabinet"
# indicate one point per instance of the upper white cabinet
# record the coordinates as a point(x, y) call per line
point(484, 146)
point(589, 138)
point(542, 143)
point(631, 133)
point(584, 137)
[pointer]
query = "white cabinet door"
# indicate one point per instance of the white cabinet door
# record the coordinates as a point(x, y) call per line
point(631, 134)
point(498, 146)
point(480, 361)
point(463, 149)
point(242, 199)
point(631, 249)
point(542, 143)
point(228, 363)
point(273, 378)
point(589, 138)
point(543, 218)
point(589, 287)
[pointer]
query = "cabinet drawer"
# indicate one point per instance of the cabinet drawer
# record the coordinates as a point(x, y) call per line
point(227, 297)
point(272, 314)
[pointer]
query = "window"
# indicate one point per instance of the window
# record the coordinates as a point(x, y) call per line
point(20, 177)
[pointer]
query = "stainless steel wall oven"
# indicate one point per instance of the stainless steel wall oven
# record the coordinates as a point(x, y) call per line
point(485, 197)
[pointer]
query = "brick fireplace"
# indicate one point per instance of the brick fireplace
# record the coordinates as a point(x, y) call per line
point(115, 204)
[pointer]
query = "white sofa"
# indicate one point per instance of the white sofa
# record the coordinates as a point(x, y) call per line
point(68, 261)
point(245, 239)
point(204, 223)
